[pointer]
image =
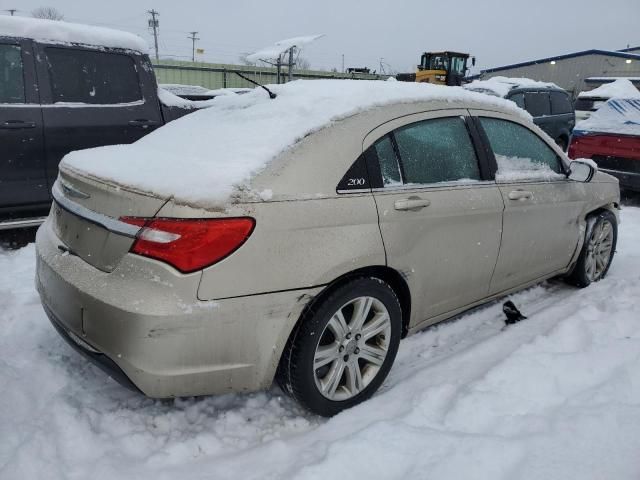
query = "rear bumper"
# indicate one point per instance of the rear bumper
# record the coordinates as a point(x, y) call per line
point(628, 180)
point(143, 324)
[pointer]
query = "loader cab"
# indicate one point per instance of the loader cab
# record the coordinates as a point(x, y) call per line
point(443, 68)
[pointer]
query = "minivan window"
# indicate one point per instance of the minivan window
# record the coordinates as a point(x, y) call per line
point(537, 103)
point(560, 103)
point(520, 154)
point(86, 76)
point(518, 98)
point(435, 151)
point(11, 75)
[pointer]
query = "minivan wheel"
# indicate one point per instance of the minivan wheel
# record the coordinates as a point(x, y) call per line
point(597, 252)
point(343, 348)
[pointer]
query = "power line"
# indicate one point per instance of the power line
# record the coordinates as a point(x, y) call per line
point(193, 40)
point(154, 24)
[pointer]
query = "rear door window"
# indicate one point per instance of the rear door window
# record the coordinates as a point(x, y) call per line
point(537, 103)
point(11, 75)
point(521, 155)
point(560, 103)
point(436, 151)
point(518, 99)
point(91, 77)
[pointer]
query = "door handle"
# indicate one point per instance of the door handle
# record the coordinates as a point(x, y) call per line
point(411, 203)
point(520, 195)
point(17, 124)
point(142, 122)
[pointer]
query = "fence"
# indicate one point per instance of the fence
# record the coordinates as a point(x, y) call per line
point(212, 76)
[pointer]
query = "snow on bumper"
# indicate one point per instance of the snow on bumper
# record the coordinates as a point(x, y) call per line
point(146, 319)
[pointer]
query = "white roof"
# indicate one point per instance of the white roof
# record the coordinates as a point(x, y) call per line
point(501, 86)
point(277, 49)
point(64, 32)
point(621, 88)
point(617, 116)
point(203, 157)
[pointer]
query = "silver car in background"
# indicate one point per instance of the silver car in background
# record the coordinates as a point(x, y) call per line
point(428, 208)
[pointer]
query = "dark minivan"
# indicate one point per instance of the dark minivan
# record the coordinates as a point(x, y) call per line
point(549, 105)
point(59, 94)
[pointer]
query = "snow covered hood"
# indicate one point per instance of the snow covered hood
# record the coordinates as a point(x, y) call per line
point(501, 86)
point(64, 32)
point(201, 158)
point(618, 116)
point(621, 88)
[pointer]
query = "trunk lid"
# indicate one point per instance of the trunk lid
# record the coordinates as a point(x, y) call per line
point(85, 217)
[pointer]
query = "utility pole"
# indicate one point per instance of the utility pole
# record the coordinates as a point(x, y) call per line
point(343, 63)
point(291, 64)
point(12, 11)
point(193, 39)
point(154, 24)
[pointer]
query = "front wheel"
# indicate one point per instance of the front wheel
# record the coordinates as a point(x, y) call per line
point(344, 347)
point(598, 250)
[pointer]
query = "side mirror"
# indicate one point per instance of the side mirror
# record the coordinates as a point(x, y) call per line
point(473, 61)
point(582, 170)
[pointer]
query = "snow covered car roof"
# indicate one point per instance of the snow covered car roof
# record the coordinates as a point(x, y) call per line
point(202, 158)
point(501, 86)
point(51, 31)
point(621, 88)
point(617, 116)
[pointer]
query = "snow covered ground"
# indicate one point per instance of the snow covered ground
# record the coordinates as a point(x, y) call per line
point(554, 397)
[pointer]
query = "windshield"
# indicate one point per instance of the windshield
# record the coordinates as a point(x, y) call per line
point(458, 65)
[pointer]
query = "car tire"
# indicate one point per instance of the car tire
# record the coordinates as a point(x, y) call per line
point(598, 250)
point(343, 347)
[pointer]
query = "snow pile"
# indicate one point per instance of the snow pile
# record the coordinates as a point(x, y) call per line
point(621, 88)
point(63, 32)
point(169, 99)
point(517, 169)
point(556, 396)
point(501, 86)
point(617, 116)
point(281, 46)
point(202, 157)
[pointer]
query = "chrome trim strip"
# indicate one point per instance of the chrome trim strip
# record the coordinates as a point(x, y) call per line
point(22, 223)
point(112, 224)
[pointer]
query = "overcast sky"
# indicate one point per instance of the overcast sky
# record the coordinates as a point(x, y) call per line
point(496, 32)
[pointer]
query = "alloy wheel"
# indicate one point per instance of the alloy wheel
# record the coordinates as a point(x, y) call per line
point(352, 348)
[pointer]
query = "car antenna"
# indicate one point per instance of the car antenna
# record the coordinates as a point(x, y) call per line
point(271, 94)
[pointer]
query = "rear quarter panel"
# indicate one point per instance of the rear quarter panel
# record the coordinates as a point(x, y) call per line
point(298, 244)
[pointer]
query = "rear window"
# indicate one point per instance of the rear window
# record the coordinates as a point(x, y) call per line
point(99, 78)
point(584, 104)
point(560, 103)
point(11, 75)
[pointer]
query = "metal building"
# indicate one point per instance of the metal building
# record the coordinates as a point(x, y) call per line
point(572, 70)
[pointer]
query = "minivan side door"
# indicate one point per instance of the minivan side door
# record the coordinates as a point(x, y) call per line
point(22, 166)
point(541, 227)
point(440, 220)
point(93, 98)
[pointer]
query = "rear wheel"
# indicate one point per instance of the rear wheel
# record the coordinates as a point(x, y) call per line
point(598, 250)
point(344, 347)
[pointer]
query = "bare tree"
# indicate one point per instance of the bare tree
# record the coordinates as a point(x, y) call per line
point(47, 13)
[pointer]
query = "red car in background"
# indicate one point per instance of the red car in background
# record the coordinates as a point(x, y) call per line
point(611, 138)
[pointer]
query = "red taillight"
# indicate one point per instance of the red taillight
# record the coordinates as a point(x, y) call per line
point(189, 244)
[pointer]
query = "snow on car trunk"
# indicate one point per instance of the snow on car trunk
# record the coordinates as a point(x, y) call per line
point(556, 396)
point(203, 157)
